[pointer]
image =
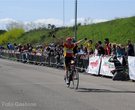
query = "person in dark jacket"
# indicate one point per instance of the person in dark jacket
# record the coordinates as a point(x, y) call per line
point(130, 49)
point(118, 73)
point(100, 49)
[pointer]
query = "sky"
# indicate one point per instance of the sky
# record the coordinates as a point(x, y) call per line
point(51, 11)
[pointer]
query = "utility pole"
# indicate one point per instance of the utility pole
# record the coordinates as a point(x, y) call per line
point(75, 28)
point(63, 13)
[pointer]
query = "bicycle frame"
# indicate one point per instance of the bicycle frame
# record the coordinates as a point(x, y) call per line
point(73, 75)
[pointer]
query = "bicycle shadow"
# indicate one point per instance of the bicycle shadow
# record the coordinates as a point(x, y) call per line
point(92, 90)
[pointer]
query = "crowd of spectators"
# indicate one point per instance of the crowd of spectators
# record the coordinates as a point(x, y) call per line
point(54, 51)
point(86, 47)
point(106, 48)
point(29, 52)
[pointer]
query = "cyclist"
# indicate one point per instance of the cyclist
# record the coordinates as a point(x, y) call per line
point(68, 53)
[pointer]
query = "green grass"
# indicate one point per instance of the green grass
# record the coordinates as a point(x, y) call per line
point(118, 31)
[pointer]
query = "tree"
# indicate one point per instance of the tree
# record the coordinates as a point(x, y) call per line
point(88, 21)
point(79, 24)
point(49, 26)
point(2, 31)
point(53, 26)
point(16, 25)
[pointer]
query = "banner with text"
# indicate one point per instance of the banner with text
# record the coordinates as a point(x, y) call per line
point(94, 65)
point(131, 64)
point(106, 67)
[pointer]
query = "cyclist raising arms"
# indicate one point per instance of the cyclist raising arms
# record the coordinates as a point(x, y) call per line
point(68, 53)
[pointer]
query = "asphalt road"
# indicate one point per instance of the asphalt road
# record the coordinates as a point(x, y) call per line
point(30, 87)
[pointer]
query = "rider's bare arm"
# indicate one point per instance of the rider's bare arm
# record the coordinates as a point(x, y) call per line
point(79, 41)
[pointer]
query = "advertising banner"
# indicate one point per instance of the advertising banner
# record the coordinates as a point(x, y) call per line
point(94, 65)
point(131, 64)
point(106, 67)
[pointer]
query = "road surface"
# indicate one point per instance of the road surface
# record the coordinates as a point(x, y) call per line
point(30, 87)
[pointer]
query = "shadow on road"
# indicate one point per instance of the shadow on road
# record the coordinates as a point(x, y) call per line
point(101, 90)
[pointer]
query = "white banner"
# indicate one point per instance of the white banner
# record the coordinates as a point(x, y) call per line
point(94, 65)
point(134, 49)
point(131, 64)
point(106, 67)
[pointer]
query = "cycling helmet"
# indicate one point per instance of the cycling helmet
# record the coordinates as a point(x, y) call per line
point(69, 39)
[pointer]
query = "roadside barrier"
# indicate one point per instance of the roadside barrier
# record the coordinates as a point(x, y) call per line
point(106, 66)
point(96, 65)
point(131, 63)
point(40, 59)
point(100, 65)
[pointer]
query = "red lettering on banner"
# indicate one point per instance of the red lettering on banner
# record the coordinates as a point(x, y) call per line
point(94, 64)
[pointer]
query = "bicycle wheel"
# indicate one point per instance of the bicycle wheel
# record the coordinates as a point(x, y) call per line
point(75, 79)
point(68, 78)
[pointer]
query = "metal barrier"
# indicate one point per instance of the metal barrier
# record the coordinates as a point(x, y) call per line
point(82, 62)
point(40, 59)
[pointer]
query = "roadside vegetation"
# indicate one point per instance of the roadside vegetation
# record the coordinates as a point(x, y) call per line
point(118, 31)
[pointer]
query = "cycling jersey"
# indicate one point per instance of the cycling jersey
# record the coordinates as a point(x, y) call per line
point(68, 50)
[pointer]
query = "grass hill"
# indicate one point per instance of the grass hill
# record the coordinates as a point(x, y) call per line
point(118, 30)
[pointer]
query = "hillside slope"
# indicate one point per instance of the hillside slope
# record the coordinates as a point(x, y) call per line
point(118, 30)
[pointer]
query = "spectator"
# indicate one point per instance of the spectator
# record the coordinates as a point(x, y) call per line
point(74, 40)
point(130, 49)
point(10, 46)
point(96, 49)
point(118, 50)
point(107, 47)
point(100, 49)
point(75, 49)
point(19, 48)
point(81, 48)
point(15, 46)
point(123, 50)
point(85, 50)
point(118, 73)
point(89, 45)
point(114, 49)
point(30, 48)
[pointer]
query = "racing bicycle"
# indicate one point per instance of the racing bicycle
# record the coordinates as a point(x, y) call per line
point(72, 75)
